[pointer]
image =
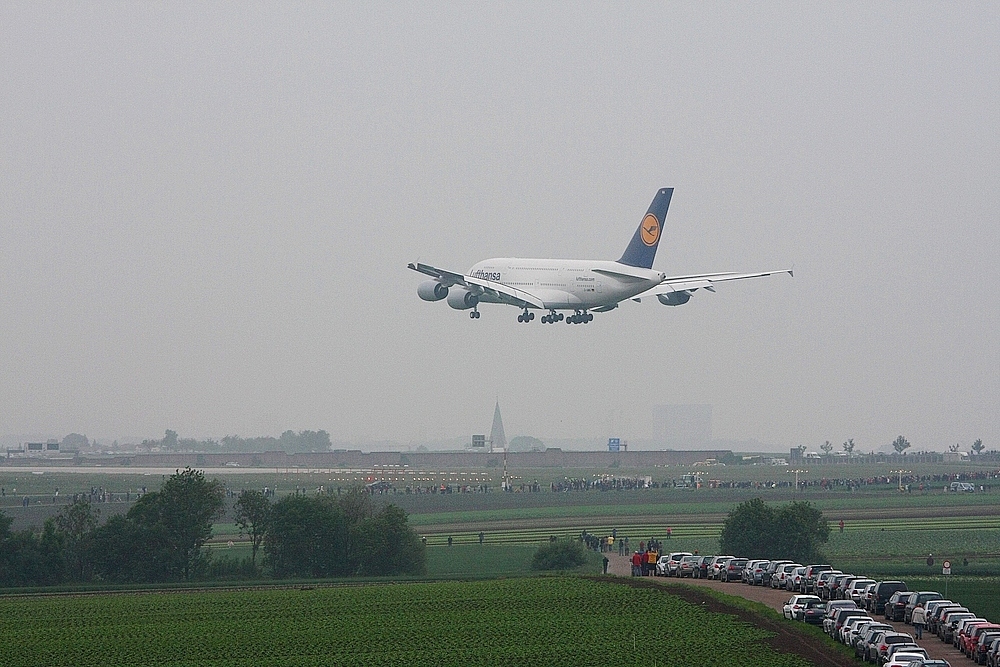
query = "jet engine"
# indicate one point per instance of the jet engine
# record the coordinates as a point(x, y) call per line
point(674, 298)
point(432, 290)
point(462, 299)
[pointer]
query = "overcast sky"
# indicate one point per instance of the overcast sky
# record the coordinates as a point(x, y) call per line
point(206, 212)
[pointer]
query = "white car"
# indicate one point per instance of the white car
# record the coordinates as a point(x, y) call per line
point(902, 657)
point(780, 576)
point(795, 606)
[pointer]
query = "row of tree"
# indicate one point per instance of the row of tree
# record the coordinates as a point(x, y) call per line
point(289, 441)
point(900, 444)
point(162, 538)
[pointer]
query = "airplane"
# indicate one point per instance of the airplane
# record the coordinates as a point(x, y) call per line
point(582, 286)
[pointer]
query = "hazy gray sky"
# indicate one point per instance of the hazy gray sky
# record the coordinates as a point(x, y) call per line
point(206, 211)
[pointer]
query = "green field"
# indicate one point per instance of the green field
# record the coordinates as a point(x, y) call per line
point(537, 621)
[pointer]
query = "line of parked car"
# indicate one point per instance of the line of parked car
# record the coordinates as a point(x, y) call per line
point(846, 606)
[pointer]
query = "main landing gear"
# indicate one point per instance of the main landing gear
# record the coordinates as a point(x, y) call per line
point(552, 317)
point(579, 318)
point(474, 314)
point(526, 317)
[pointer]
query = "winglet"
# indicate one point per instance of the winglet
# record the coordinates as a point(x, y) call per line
point(642, 249)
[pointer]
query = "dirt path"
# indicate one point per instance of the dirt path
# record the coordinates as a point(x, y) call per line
point(622, 566)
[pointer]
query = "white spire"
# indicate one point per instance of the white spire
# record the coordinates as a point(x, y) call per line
point(497, 438)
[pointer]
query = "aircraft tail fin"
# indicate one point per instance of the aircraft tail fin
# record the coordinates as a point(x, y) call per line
point(642, 249)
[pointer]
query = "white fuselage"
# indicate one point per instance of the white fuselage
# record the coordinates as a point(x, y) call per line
point(568, 283)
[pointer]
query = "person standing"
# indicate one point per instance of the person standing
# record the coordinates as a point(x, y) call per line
point(606, 561)
point(918, 619)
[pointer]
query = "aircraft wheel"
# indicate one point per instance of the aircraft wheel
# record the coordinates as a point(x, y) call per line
point(531, 316)
point(472, 314)
point(520, 318)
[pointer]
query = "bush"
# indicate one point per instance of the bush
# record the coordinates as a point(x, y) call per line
point(559, 555)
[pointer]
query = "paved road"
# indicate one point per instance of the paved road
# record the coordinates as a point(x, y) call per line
point(622, 566)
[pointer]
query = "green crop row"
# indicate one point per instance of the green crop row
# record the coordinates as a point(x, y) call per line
point(548, 620)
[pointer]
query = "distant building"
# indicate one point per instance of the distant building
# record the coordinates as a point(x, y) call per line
point(682, 426)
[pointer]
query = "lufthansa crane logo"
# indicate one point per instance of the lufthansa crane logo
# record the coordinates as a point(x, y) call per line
point(649, 230)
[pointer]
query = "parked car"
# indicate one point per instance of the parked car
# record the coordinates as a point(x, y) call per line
point(820, 587)
point(887, 640)
point(861, 631)
point(793, 582)
point(809, 578)
point(856, 590)
point(770, 571)
point(849, 623)
point(931, 607)
point(883, 591)
point(832, 608)
point(780, 577)
point(793, 609)
point(918, 597)
point(935, 618)
point(869, 647)
point(660, 569)
point(747, 575)
point(896, 605)
point(949, 625)
point(903, 655)
point(963, 627)
point(704, 564)
point(993, 654)
point(971, 633)
point(838, 584)
point(929, 663)
point(734, 569)
point(814, 612)
point(835, 621)
point(717, 564)
point(686, 566)
point(674, 562)
point(981, 646)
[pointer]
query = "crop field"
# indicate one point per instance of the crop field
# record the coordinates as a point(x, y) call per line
point(537, 621)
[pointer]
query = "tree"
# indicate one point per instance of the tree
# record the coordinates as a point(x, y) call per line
point(161, 537)
point(900, 444)
point(76, 525)
point(559, 555)
point(827, 447)
point(755, 530)
point(800, 529)
point(849, 446)
point(169, 439)
point(954, 448)
point(253, 517)
point(748, 530)
point(307, 537)
point(978, 446)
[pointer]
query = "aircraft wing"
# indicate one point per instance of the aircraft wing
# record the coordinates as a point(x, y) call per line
point(703, 280)
point(446, 278)
point(502, 293)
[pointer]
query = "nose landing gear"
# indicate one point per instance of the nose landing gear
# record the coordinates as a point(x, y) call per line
point(474, 314)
